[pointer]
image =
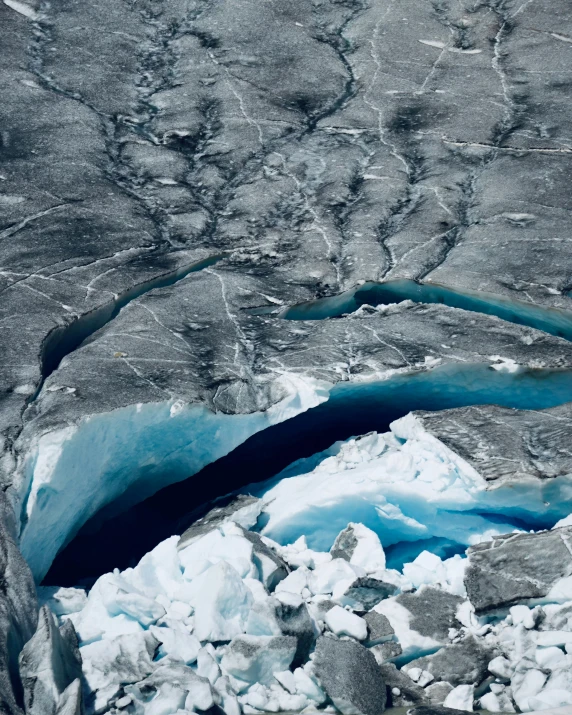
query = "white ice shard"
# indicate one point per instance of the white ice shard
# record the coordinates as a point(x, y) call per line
point(221, 602)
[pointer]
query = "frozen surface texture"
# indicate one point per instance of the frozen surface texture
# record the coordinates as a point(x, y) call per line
point(181, 185)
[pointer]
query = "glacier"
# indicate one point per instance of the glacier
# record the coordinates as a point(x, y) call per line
point(404, 485)
point(144, 449)
point(134, 451)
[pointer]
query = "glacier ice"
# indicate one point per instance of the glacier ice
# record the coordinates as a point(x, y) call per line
point(168, 441)
point(231, 616)
point(404, 485)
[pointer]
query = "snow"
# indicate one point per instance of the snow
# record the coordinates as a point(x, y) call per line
point(345, 623)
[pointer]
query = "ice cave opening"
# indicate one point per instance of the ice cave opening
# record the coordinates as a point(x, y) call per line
point(114, 538)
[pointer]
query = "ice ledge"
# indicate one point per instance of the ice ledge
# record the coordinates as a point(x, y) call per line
point(126, 455)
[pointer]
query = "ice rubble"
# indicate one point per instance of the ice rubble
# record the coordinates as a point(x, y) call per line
point(405, 485)
point(192, 627)
point(228, 616)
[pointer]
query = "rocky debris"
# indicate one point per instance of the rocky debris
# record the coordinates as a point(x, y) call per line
point(294, 620)
point(379, 629)
point(422, 619)
point(350, 676)
point(49, 663)
point(460, 663)
point(401, 690)
point(18, 610)
point(517, 567)
point(364, 593)
point(386, 651)
point(242, 509)
point(435, 710)
point(505, 444)
point(432, 611)
point(255, 659)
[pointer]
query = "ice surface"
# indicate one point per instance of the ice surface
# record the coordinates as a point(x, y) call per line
point(405, 486)
point(135, 451)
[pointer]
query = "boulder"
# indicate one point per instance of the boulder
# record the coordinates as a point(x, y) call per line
point(463, 663)
point(517, 567)
point(366, 592)
point(349, 674)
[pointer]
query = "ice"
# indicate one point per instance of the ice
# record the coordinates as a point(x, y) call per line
point(62, 601)
point(176, 642)
point(404, 486)
point(501, 667)
point(225, 544)
point(222, 603)
point(207, 667)
point(365, 550)
point(460, 698)
point(345, 623)
point(255, 659)
point(530, 685)
point(307, 685)
point(109, 664)
point(134, 451)
point(337, 574)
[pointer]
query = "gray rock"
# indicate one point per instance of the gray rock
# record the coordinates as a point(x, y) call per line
point(516, 567)
point(457, 663)
point(242, 508)
point(386, 651)
point(437, 692)
point(401, 690)
point(365, 592)
point(18, 611)
point(379, 629)
point(504, 444)
point(49, 663)
point(433, 611)
point(350, 676)
point(345, 544)
point(296, 621)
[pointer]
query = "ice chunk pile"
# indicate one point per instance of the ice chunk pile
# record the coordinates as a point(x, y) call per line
point(227, 616)
point(405, 485)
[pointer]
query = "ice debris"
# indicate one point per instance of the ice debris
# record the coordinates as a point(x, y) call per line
point(226, 617)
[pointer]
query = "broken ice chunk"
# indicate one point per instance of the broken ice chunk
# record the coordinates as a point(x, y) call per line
point(255, 659)
point(222, 603)
point(361, 547)
point(344, 623)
